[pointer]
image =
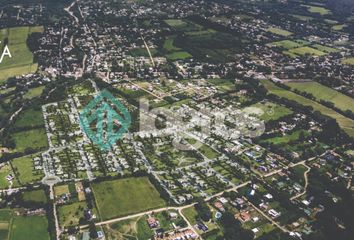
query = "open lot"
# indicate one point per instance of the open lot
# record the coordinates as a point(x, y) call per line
point(322, 92)
point(279, 31)
point(25, 171)
point(36, 139)
point(30, 118)
point(345, 123)
point(272, 111)
point(316, 9)
point(349, 61)
point(126, 196)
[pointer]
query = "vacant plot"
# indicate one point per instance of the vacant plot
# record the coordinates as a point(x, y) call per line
point(279, 31)
point(191, 214)
point(25, 171)
point(126, 196)
point(70, 214)
point(29, 228)
point(345, 123)
point(322, 92)
point(35, 139)
point(306, 51)
point(316, 9)
point(338, 27)
point(286, 138)
point(272, 111)
point(349, 61)
point(30, 118)
point(4, 172)
point(22, 58)
point(5, 218)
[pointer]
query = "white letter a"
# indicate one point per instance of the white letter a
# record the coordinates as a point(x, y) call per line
point(6, 52)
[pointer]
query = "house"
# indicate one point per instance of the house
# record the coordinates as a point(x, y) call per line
point(243, 216)
point(152, 222)
point(219, 206)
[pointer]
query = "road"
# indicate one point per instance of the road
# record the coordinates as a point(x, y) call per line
point(306, 183)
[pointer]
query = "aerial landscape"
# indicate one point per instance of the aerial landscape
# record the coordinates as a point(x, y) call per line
point(176, 120)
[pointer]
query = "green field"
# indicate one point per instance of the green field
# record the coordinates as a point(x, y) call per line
point(175, 22)
point(325, 48)
point(34, 92)
point(178, 55)
point(285, 139)
point(4, 172)
point(349, 61)
point(29, 228)
point(136, 228)
point(306, 50)
point(126, 196)
point(35, 196)
point(30, 118)
point(36, 139)
point(69, 214)
point(289, 44)
point(338, 27)
point(322, 92)
point(279, 31)
point(25, 170)
point(191, 214)
point(315, 9)
point(345, 123)
point(272, 111)
point(169, 46)
point(22, 58)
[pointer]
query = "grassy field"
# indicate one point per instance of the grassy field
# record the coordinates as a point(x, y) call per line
point(69, 214)
point(178, 55)
point(175, 22)
point(5, 222)
point(279, 31)
point(126, 196)
point(285, 139)
point(306, 50)
point(29, 228)
point(349, 61)
point(272, 111)
point(22, 58)
point(338, 27)
point(169, 46)
point(4, 172)
point(30, 118)
point(34, 92)
point(289, 44)
point(35, 196)
point(325, 48)
point(191, 214)
point(322, 92)
point(315, 9)
point(345, 123)
point(35, 139)
point(25, 169)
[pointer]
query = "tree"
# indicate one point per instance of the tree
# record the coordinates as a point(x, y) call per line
point(203, 210)
point(92, 229)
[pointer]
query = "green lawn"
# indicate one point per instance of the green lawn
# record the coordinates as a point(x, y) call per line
point(36, 139)
point(70, 214)
point(126, 196)
point(338, 27)
point(345, 123)
point(289, 44)
point(175, 22)
point(30, 118)
point(25, 169)
point(29, 228)
point(191, 214)
point(169, 46)
point(272, 111)
point(4, 172)
point(285, 139)
point(22, 58)
point(325, 48)
point(322, 92)
point(279, 31)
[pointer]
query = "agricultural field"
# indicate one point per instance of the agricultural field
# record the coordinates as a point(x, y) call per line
point(289, 44)
point(325, 48)
point(29, 228)
point(126, 196)
point(38, 139)
point(345, 123)
point(279, 31)
point(272, 111)
point(322, 92)
point(5, 223)
point(22, 58)
point(349, 61)
point(178, 55)
point(25, 170)
point(175, 22)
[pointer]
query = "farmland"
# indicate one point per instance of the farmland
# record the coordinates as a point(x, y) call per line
point(29, 228)
point(322, 92)
point(25, 171)
point(345, 123)
point(38, 139)
point(349, 61)
point(279, 31)
point(22, 58)
point(132, 194)
point(316, 9)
